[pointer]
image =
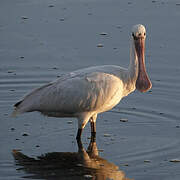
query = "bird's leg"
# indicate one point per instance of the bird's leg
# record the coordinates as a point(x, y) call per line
point(80, 145)
point(93, 127)
point(78, 136)
point(93, 130)
point(82, 121)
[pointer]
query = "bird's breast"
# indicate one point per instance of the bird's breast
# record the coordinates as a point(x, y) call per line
point(105, 91)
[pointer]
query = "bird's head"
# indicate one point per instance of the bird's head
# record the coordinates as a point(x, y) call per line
point(138, 31)
point(143, 82)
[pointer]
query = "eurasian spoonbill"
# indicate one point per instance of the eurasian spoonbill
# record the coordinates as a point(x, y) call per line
point(87, 92)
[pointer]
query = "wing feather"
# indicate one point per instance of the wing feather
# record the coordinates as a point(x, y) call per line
point(73, 93)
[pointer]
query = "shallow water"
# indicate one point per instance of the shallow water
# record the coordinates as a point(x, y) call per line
point(42, 39)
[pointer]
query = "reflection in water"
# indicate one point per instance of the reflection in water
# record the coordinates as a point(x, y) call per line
point(70, 165)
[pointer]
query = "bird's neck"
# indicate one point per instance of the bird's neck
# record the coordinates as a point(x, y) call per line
point(133, 65)
point(132, 72)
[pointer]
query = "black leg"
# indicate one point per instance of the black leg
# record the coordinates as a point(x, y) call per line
point(78, 137)
point(80, 145)
point(93, 131)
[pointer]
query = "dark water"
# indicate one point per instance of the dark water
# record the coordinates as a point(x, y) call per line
point(40, 40)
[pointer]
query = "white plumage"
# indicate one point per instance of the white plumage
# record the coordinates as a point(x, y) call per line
point(85, 93)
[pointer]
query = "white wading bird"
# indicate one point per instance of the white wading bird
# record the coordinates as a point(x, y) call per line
point(87, 92)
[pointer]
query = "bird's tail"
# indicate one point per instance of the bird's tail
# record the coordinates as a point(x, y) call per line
point(15, 113)
point(17, 110)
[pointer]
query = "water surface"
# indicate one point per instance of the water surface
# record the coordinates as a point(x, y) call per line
point(41, 40)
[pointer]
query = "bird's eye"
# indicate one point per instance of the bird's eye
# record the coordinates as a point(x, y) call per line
point(144, 34)
point(139, 34)
point(133, 34)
